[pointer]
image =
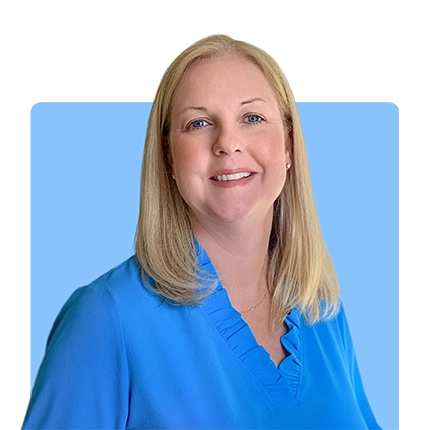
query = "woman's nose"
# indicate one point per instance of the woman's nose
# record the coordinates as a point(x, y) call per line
point(227, 141)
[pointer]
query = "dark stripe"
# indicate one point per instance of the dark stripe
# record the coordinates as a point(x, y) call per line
point(344, 44)
point(357, 76)
point(358, 84)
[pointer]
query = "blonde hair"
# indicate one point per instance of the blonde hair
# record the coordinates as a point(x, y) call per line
point(301, 272)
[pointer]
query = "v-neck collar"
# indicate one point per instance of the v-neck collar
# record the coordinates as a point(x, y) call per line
point(279, 384)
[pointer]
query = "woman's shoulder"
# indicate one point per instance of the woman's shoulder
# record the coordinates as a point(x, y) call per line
point(86, 358)
point(332, 330)
point(119, 294)
point(333, 325)
point(122, 282)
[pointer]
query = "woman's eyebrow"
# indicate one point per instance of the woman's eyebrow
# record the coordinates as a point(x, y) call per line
point(204, 109)
point(252, 100)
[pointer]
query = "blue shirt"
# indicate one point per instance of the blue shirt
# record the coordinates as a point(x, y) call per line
point(121, 357)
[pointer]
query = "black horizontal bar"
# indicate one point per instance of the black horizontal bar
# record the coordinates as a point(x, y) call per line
point(304, 83)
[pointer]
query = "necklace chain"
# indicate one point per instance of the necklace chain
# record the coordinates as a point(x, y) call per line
point(258, 304)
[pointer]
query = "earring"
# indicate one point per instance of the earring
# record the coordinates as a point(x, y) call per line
point(288, 166)
point(173, 176)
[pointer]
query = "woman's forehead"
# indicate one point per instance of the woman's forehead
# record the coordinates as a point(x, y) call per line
point(224, 77)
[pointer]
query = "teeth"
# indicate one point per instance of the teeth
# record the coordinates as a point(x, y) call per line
point(233, 177)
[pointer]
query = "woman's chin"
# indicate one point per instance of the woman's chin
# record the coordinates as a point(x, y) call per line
point(235, 213)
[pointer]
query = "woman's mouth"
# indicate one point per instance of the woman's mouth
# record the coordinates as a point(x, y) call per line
point(231, 177)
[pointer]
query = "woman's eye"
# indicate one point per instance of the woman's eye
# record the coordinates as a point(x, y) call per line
point(253, 118)
point(198, 123)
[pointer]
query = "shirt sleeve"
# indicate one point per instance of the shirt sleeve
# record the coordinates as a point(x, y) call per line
point(83, 380)
point(355, 373)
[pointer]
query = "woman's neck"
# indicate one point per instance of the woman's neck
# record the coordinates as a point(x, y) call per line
point(239, 253)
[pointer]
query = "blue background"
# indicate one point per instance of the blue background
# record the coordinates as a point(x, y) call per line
point(85, 178)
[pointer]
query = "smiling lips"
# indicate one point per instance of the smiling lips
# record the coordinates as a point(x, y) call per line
point(231, 177)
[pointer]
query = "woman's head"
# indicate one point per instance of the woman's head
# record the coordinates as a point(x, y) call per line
point(228, 145)
point(157, 146)
point(164, 229)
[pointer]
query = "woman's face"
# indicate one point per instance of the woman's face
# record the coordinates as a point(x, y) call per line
point(229, 148)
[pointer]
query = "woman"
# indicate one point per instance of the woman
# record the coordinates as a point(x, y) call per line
point(228, 315)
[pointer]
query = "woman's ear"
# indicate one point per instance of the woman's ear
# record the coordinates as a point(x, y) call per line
point(288, 149)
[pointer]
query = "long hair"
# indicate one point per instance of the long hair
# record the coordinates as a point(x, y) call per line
point(301, 272)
